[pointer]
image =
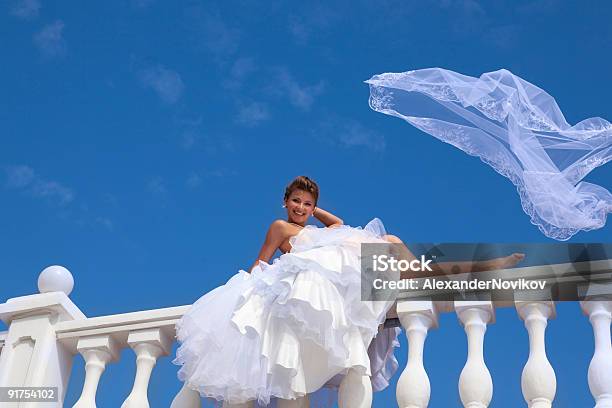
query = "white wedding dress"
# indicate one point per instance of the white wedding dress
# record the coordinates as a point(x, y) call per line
point(289, 328)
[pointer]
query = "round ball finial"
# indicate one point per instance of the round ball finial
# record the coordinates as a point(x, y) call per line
point(55, 278)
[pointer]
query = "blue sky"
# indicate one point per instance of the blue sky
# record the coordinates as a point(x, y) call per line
point(148, 143)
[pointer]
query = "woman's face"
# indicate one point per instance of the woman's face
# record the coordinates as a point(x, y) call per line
point(300, 205)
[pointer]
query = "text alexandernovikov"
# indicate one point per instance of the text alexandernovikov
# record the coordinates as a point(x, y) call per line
point(385, 263)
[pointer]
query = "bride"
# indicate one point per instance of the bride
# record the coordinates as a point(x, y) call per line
point(284, 330)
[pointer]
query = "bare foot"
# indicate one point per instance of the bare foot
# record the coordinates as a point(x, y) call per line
point(509, 261)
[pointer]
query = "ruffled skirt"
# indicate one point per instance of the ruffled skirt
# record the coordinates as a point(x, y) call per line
point(291, 327)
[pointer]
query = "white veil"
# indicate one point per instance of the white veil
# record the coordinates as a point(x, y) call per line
point(516, 128)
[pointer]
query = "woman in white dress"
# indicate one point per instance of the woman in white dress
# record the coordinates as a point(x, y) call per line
point(282, 331)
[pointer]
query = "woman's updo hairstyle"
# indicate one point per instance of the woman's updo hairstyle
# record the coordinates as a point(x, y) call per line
point(303, 183)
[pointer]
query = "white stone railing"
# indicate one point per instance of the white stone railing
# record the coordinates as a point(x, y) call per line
point(538, 381)
point(99, 340)
point(46, 331)
point(2, 339)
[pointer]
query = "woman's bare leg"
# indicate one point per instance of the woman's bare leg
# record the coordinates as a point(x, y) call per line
point(392, 239)
point(296, 403)
point(449, 268)
point(186, 397)
point(400, 250)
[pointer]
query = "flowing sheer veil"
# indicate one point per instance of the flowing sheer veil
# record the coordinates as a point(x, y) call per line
point(516, 128)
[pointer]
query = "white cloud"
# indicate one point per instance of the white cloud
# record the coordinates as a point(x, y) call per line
point(354, 134)
point(219, 37)
point(348, 133)
point(504, 37)
point(242, 67)
point(298, 29)
point(218, 173)
point(157, 186)
point(189, 139)
point(468, 17)
point(313, 21)
point(166, 83)
point(211, 32)
point(110, 199)
point(50, 40)
point(19, 176)
point(53, 190)
point(106, 223)
point(212, 144)
point(26, 9)
point(238, 73)
point(188, 130)
point(472, 7)
point(469, 7)
point(300, 96)
point(540, 6)
point(24, 178)
point(142, 4)
point(253, 113)
point(188, 120)
point(194, 180)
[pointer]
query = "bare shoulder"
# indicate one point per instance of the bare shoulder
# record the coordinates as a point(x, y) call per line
point(279, 229)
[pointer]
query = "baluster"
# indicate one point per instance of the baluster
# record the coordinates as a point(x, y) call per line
point(97, 351)
point(538, 381)
point(148, 344)
point(475, 383)
point(417, 317)
point(600, 368)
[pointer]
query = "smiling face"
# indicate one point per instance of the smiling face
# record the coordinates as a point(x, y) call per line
point(300, 205)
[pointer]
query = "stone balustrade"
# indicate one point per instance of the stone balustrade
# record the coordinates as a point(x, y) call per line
point(46, 331)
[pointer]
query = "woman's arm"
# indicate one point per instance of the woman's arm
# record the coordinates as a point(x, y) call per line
point(327, 218)
point(274, 238)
